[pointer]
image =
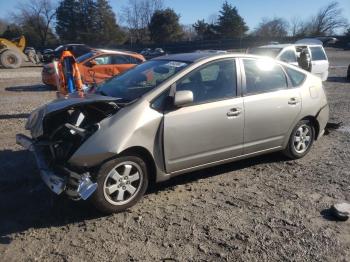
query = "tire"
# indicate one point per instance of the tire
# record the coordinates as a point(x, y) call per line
point(117, 179)
point(300, 143)
point(348, 74)
point(11, 59)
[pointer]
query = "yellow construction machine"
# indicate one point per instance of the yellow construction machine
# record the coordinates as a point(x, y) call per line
point(13, 53)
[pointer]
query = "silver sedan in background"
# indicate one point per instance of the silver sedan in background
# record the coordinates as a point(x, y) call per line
point(169, 116)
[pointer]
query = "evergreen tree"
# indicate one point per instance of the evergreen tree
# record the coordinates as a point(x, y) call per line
point(230, 23)
point(12, 31)
point(87, 21)
point(204, 30)
point(165, 26)
point(108, 32)
point(67, 20)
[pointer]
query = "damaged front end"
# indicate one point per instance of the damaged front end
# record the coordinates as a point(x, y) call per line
point(58, 129)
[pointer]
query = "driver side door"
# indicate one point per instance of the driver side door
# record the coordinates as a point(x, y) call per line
point(100, 71)
point(211, 128)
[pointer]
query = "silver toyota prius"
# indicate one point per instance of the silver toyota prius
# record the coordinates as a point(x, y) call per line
point(169, 116)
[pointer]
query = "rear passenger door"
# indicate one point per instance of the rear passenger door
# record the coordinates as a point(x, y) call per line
point(271, 105)
point(320, 64)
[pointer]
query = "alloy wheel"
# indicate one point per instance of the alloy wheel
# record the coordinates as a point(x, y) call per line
point(123, 183)
point(302, 139)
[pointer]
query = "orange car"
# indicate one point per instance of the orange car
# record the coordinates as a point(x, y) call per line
point(97, 66)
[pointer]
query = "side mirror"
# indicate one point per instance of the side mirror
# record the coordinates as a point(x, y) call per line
point(91, 63)
point(183, 98)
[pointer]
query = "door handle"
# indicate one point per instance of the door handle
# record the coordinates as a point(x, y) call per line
point(234, 112)
point(293, 101)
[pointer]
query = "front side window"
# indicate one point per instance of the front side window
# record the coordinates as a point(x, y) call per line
point(103, 60)
point(214, 81)
point(263, 75)
point(288, 56)
point(84, 57)
point(317, 53)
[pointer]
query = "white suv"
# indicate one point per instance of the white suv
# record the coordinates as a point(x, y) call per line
point(310, 57)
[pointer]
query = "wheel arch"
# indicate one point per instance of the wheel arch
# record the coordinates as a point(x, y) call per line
point(315, 124)
point(145, 155)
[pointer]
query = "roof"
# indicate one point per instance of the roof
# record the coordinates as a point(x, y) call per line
point(73, 44)
point(121, 52)
point(186, 57)
point(197, 56)
point(298, 43)
point(276, 46)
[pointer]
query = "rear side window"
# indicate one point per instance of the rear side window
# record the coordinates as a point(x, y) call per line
point(263, 76)
point(288, 56)
point(318, 53)
point(125, 59)
point(120, 60)
point(296, 77)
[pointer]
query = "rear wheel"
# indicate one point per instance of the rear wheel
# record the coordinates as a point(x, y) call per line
point(11, 59)
point(301, 140)
point(348, 75)
point(121, 184)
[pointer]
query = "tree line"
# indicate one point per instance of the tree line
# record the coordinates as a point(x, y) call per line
point(93, 22)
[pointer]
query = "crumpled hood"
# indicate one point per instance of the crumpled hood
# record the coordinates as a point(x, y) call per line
point(35, 120)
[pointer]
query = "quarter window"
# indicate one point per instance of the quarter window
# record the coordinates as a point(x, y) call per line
point(211, 82)
point(134, 60)
point(263, 76)
point(318, 53)
point(296, 77)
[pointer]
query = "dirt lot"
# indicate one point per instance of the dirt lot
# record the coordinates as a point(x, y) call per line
point(262, 209)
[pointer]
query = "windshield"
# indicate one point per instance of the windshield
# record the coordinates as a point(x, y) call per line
point(143, 78)
point(82, 58)
point(270, 52)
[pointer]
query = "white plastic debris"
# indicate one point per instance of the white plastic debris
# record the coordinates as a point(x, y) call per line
point(341, 211)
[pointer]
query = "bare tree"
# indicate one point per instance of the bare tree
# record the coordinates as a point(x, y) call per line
point(298, 28)
point(272, 28)
point(137, 16)
point(39, 15)
point(189, 33)
point(213, 18)
point(327, 20)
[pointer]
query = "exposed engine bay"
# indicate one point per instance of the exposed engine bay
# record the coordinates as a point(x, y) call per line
point(64, 131)
point(58, 130)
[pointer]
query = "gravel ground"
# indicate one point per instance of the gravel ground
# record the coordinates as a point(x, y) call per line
point(261, 209)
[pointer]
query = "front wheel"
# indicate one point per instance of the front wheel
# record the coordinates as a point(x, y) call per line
point(301, 140)
point(11, 59)
point(121, 184)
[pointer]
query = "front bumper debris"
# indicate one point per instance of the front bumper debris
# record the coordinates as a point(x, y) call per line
point(74, 185)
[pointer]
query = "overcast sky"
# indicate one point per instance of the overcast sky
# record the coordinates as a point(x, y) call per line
point(251, 10)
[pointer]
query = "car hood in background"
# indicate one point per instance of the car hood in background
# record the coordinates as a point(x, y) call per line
point(36, 118)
